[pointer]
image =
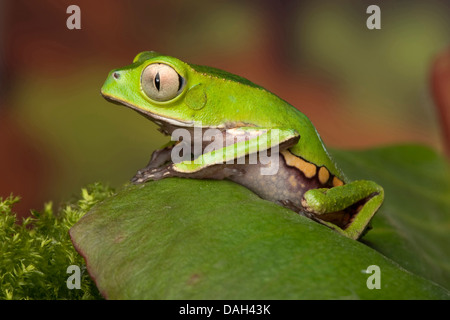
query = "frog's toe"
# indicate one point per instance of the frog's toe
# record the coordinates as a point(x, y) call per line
point(136, 179)
point(140, 177)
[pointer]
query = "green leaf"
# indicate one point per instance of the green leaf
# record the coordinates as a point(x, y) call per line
point(203, 239)
point(413, 225)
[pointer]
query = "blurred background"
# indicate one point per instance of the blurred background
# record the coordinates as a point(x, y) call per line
point(361, 88)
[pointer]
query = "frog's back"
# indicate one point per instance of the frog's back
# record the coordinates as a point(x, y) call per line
point(281, 114)
point(246, 107)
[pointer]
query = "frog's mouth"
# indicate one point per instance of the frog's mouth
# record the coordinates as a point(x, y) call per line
point(167, 125)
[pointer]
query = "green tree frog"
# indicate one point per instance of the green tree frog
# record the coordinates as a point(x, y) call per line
point(252, 130)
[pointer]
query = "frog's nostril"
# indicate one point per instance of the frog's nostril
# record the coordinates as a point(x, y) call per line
point(116, 75)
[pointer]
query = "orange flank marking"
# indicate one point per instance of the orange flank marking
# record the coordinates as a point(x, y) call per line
point(337, 182)
point(324, 175)
point(308, 169)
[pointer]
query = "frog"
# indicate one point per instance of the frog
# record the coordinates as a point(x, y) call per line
point(252, 130)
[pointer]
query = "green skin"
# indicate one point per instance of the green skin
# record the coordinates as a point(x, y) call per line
point(217, 99)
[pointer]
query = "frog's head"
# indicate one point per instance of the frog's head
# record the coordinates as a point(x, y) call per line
point(159, 87)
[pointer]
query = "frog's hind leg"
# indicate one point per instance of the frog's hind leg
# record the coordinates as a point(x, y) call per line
point(347, 209)
point(215, 163)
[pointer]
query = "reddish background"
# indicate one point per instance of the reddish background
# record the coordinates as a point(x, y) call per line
point(277, 44)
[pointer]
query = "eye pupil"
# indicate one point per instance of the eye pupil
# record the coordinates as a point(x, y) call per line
point(157, 81)
point(180, 82)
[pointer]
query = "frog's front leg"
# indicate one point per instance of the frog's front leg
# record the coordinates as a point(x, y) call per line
point(161, 156)
point(159, 159)
point(218, 172)
point(347, 209)
point(219, 163)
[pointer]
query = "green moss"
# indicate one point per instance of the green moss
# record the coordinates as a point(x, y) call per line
point(36, 253)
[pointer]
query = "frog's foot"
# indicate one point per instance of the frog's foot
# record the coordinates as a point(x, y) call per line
point(152, 173)
point(157, 167)
point(300, 210)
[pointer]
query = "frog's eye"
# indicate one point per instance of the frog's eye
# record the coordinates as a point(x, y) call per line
point(161, 82)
